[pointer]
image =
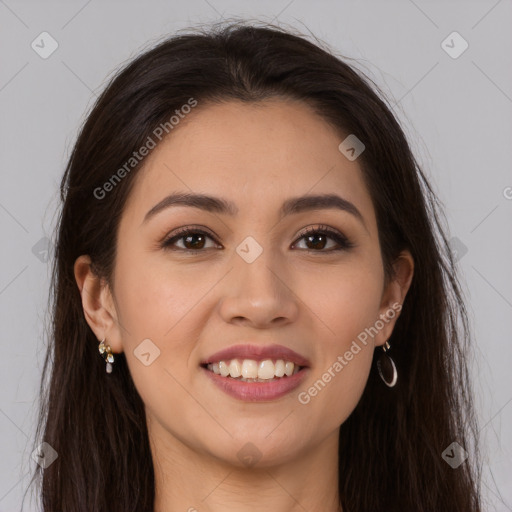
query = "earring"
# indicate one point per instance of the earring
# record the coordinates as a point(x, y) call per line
point(386, 367)
point(106, 352)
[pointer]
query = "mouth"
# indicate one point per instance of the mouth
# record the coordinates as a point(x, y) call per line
point(251, 370)
point(254, 373)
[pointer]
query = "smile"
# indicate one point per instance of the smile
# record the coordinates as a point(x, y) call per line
point(255, 381)
point(250, 370)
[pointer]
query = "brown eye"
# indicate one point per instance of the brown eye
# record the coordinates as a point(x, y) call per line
point(194, 240)
point(316, 239)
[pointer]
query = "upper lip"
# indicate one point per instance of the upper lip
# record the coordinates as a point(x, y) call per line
point(257, 352)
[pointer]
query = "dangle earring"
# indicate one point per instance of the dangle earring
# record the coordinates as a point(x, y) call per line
point(106, 352)
point(386, 367)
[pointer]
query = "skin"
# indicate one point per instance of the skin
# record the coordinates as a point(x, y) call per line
point(190, 306)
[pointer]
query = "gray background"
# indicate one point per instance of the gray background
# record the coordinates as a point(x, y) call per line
point(456, 113)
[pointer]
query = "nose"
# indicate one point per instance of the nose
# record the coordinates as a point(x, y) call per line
point(259, 294)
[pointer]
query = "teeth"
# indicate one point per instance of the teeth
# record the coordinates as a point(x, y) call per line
point(224, 368)
point(250, 370)
point(266, 369)
point(279, 368)
point(235, 368)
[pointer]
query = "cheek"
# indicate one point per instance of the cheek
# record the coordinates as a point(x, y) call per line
point(347, 301)
point(154, 297)
point(157, 303)
point(344, 299)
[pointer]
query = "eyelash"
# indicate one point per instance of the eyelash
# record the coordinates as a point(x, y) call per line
point(343, 242)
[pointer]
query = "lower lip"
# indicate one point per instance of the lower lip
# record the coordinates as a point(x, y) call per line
point(257, 391)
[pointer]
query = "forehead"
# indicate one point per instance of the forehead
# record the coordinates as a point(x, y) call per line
point(255, 154)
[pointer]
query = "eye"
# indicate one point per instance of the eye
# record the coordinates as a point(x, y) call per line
point(194, 240)
point(318, 236)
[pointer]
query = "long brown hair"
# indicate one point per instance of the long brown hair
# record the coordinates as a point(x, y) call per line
point(390, 452)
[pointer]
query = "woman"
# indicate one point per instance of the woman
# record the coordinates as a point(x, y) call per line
point(255, 306)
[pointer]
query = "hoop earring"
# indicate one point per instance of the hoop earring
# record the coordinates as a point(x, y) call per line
point(386, 367)
point(106, 352)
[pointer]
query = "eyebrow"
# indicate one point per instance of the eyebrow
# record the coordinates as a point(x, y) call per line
point(222, 206)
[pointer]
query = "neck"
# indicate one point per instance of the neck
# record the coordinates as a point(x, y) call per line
point(191, 481)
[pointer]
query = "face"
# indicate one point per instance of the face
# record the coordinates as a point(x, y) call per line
point(302, 285)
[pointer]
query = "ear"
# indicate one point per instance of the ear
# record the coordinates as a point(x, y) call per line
point(394, 295)
point(99, 307)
